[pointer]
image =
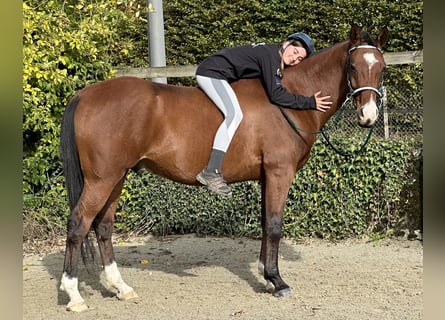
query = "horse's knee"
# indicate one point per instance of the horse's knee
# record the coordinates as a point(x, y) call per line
point(273, 228)
point(76, 230)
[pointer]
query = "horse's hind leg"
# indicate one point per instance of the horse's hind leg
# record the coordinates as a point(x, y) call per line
point(103, 227)
point(78, 228)
point(93, 198)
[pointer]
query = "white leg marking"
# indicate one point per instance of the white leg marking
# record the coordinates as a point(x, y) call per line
point(261, 268)
point(113, 276)
point(70, 286)
point(269, 285)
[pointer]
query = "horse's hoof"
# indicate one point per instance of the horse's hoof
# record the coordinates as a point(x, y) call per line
point(127, 296)
point(284, 293)
point(78, 307)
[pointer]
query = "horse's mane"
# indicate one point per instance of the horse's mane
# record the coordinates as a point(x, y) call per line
point(308, 64)
point(306, 77)
point(365, 38)
point(327, 48)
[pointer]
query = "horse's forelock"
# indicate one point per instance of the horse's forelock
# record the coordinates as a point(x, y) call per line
point(367, 38)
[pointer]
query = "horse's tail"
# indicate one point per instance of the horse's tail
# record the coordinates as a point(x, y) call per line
point(68, 153)
point(71, 166)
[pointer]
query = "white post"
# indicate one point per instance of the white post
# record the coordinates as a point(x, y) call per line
point(385, 114)
point(156, 43)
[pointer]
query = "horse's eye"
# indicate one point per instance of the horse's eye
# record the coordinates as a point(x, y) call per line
point(353, 68)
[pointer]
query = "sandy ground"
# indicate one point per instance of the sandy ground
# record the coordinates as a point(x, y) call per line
point(187, 277)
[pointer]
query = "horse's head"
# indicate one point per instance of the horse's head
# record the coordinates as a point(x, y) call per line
point(364, 70)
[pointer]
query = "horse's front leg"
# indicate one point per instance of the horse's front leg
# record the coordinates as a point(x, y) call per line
point(274, 194)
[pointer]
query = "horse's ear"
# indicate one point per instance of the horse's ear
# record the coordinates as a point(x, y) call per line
point(382, 38)
point(355, 35)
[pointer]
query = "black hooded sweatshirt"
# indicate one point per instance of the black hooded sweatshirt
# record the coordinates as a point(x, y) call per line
point(254, 61)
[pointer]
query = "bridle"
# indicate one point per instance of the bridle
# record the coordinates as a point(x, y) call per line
point(380, 92)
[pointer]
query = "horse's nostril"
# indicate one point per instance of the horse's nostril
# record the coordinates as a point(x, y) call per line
point(365, 124)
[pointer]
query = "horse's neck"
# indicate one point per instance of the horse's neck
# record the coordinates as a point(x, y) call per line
point(323, 72)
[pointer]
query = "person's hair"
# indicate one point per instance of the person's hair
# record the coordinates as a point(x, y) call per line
point(295, 43)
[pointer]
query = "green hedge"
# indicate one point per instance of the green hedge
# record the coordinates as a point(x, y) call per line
point(378, 191)
point(331, 197)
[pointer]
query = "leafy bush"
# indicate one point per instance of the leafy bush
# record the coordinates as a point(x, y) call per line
point(334, 197)
point(66, 46)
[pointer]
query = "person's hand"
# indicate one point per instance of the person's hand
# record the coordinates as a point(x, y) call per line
point(323, 103)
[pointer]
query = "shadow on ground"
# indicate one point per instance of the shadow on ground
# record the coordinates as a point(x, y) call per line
point(173, 255)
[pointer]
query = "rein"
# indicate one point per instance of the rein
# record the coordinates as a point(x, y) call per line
point(349, 98)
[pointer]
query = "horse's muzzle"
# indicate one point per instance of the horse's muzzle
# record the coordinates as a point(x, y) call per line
point(367, 115)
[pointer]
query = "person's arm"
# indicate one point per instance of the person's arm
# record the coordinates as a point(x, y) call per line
point(278, 94)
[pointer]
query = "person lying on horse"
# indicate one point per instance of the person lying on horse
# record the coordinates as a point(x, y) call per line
point(259, 60)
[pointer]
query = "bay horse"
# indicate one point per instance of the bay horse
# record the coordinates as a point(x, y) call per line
point(127, 123)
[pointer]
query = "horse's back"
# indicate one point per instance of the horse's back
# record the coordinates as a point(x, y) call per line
point(169, 130)
point(123, 121)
